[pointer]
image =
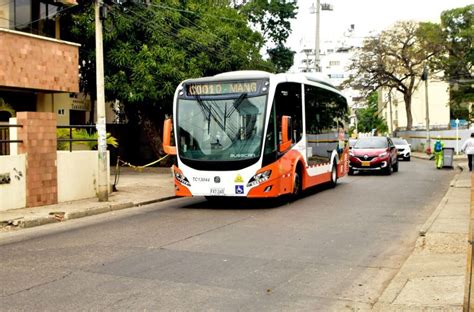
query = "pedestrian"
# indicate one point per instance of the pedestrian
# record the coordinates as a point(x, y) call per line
point(468, 148)
point(438, 151)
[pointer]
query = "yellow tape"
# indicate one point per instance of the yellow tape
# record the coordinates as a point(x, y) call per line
point(139, 168)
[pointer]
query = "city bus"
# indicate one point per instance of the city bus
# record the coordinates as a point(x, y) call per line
point(255, 134)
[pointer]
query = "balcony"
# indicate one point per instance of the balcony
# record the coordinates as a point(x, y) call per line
point(34, 62)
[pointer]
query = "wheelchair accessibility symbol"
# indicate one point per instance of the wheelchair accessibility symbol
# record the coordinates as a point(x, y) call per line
point(239, 189)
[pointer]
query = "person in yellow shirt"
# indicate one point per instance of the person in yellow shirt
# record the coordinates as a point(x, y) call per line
point(438, 152)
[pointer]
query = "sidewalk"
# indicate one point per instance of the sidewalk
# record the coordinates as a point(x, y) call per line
point(134, 189)
point(433, 276)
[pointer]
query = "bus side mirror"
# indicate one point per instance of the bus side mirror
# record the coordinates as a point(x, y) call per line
point(285, 133)
point(170, 150)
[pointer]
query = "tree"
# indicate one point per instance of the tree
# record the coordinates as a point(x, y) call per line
point(273, 18)
point(150, 49)
point(394, 59)
point(457, 63)
point(368, 119)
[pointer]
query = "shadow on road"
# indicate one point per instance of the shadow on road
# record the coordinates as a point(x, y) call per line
point(239, 203)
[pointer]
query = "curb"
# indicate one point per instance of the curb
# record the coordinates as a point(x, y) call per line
point(427, 225)
point(57, 217)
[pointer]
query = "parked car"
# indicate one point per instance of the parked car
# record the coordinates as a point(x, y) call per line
point(373, 154)
point(403, 148)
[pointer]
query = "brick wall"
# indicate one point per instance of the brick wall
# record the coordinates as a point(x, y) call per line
point(33, 62)
point(39, 144)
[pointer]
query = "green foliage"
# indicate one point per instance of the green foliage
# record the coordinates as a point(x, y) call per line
point(273, 18)
point(83, 135)
point(457, 62)
point(5, 107)
point(150, 49)
point(282, 57)
point(368, 119)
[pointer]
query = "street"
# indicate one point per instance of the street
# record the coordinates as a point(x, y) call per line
point(332, 249)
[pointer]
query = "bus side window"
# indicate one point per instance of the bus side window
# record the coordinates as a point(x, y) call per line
point(288, 102)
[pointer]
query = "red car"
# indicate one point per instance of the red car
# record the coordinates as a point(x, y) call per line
point(373, 154)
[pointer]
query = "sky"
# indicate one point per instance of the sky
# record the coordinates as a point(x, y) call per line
point(366, 15)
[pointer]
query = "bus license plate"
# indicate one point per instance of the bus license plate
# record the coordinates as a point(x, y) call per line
point(217, 191)
point(366, 164)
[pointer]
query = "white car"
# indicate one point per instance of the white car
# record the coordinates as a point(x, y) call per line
point(403, 148)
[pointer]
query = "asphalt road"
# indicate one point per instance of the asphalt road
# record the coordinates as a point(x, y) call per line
point(332, 250)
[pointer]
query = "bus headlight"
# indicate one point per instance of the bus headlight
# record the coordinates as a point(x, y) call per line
point(259, 178)
point(182, 179)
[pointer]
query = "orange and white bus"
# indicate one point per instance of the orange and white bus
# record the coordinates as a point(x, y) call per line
point(255, 134)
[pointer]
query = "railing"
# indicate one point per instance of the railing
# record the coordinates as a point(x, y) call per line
point(71, 139)
point(5, 137)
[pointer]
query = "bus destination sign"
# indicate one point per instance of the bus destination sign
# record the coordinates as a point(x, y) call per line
point(219, 88)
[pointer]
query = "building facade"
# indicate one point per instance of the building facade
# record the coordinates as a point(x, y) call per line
point(38, 70)
point(392, 106)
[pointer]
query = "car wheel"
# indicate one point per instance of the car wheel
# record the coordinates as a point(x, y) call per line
point(395, 167)
point(408, 158)
point(388, 169)
point(351, 171)
point(334, 175)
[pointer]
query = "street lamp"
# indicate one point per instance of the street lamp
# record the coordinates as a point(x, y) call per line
point(316, 10)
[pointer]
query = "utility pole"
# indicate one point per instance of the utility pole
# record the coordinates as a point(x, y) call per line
point(317, 56)
point(424, 77)
point(390, 105)
point(317, 10)
point(103, 192)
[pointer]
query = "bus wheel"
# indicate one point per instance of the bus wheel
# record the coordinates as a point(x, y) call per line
point(334, 175)
point(297, 185)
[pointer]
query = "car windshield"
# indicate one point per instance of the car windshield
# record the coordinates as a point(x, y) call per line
point(221, 129)
point(399, 141)
point(368, 143)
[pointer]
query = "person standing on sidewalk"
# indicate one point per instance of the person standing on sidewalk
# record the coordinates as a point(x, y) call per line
point(438, 151)
point(468, 148)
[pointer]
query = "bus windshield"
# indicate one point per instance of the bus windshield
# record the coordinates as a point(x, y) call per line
point(213, 129)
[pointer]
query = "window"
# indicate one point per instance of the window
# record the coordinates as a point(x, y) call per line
point(287, 101)
point(37, 17)
point(334, 63)
point(326, 114)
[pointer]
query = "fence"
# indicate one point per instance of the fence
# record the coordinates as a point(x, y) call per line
point(5, 137)
point(70, 140)
point(449, 138)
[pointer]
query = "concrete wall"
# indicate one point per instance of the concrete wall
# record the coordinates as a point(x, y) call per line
point(13, 195)
point(77, 175)
point(417, 139)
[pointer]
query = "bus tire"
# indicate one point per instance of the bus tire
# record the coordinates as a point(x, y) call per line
point(333, 181)
point(297, 184)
